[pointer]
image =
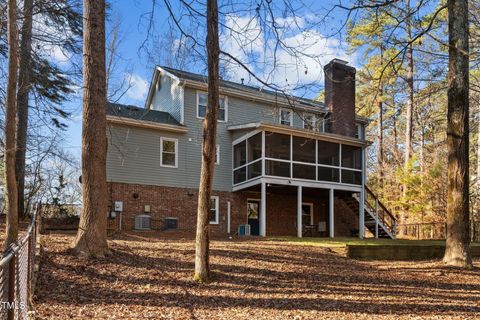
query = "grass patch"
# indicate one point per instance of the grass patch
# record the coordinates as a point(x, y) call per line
point(344, 241)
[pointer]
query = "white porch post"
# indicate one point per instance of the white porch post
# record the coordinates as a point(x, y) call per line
point(299, 211)
point(361, 207)
point(229, 208)
point(331, 207)
point(361, 215)
point(263, 210)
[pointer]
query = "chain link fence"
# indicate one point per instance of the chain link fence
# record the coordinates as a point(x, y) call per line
point(16, 271)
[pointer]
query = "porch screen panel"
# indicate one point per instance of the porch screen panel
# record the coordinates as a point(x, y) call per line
point(239, 175)
point(304, 171)
point(328, 174)
point(303, 149)
point(328, 153)
point(277, 146)
point(351, 157)
point(254, 170)
point(277, 168)
point(240, 154)
point(254, 147)
point(352, 177)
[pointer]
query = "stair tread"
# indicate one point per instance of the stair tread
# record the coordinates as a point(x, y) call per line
point(370, 219)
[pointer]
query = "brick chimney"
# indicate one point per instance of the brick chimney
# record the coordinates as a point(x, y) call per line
point(340, 96)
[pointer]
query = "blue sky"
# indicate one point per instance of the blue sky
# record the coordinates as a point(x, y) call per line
point(133, 16)
point(133, 33)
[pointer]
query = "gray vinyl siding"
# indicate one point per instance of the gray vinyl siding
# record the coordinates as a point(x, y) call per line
point(134, 153)
point(239, 133)
point(134, 156)
point(168, 97)
point(298, 119)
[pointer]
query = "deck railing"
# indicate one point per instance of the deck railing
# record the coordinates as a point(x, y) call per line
point(16, 271)
point(383, 214)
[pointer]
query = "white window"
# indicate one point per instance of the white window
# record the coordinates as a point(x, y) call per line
point(359, 131)
point(320, 124)
point(217, 155)
point(214, 209)
point(202, 104)
point(168, 152)
point(307, 213)
point(309, 121)
point(286, 117)
point(313, 122)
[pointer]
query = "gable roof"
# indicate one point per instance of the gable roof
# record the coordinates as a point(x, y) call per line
point(251, 90)
point(137, 113)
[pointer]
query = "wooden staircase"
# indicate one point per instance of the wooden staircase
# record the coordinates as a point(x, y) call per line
point(378, 219)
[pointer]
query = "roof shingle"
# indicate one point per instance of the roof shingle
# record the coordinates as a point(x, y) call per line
point(137, 113)
point(240, 87)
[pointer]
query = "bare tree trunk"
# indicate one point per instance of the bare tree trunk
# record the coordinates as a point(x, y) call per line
point(409, 115)
point(380, 157)
point(395, 134)
point(22, 103)
point(202, 268)
point(91, 238)
point(478, 170)
point(457, 250)
point(9, 155)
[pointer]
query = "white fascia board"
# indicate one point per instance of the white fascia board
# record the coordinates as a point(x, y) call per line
point(301, 133)
point(146, 124)
point(171, 75)
point(151, 89)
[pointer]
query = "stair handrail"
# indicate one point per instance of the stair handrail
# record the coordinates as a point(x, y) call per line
point(381, 213)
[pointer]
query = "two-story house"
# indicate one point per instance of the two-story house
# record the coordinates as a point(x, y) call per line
point(284, 165)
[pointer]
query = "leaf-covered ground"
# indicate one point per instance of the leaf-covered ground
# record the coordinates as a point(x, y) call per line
point(151, 278)
point(22, 228)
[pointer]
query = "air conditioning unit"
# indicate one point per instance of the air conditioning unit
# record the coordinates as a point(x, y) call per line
point(244, 230)
point(142, 222)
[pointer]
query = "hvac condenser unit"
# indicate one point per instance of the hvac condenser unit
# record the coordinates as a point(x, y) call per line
point(244, 230)
point(142, 222)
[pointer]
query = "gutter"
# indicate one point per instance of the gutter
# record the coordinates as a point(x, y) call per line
point(146, 124)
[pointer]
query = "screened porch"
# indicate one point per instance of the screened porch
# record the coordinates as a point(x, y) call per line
point(278, 155)
point(271, 155)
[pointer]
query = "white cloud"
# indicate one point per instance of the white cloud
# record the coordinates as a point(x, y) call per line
point(138, 87)
point(58, 55)
point(244, 41)
point(316, 52)
point(302, 66)
point(290, 22)
point(44, 28)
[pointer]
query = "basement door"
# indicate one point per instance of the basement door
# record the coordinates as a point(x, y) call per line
point(253, 209)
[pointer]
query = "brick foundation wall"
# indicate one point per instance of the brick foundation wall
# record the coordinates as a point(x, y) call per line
point(182, 204)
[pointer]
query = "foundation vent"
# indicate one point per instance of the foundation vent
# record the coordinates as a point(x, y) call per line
point(171, 223)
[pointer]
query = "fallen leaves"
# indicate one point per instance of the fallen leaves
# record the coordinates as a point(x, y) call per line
point(152, 279)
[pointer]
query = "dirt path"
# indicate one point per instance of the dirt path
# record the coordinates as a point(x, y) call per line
point(252, 280)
